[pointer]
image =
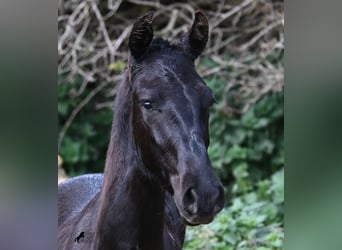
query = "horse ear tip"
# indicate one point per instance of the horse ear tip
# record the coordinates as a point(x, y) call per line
point(200, 14)
point(148, 17)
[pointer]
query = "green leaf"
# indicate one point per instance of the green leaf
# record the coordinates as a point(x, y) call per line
point(63, 108)
point(118, 66)
point(278, 186)
point(236, 153)
point(70, 150)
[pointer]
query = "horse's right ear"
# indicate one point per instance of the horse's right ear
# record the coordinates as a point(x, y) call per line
point(141, 35)
point(196, 39)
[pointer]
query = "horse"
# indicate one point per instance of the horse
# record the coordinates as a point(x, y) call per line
point(77, 239)
point(158, 177)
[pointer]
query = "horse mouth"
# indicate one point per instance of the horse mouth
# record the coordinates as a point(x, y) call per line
point(189, 224)
point(195, 220)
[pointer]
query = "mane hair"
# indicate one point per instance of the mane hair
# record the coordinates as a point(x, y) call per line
point(160, 44)
point(113, 169)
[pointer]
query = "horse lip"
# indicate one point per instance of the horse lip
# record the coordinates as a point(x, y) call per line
point(195, 220)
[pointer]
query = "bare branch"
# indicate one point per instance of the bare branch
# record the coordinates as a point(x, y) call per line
point(245, 34)
point(102, 27)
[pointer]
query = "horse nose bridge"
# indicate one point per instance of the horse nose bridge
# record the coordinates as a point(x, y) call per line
point(192, 149)
point(195, 135)
point(195, 162)
point(197, 144)
point(208, 179)
point(198, 170)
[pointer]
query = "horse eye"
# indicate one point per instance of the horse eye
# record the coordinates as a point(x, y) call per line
point(147, 104)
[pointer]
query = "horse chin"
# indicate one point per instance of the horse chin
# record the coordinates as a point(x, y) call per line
point(197, 221)
point(189, 224)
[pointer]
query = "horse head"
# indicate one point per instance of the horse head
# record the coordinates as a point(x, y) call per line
point(171, 106)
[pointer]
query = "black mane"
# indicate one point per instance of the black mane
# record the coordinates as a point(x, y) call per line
point(159, 44)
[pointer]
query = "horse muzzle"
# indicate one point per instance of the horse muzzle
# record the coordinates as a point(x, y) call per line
point(200, 205)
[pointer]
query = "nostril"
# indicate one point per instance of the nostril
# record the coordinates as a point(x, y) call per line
point(190, 201)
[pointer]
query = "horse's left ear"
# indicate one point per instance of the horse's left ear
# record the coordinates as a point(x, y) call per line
point(196, 39)
point(141, 35)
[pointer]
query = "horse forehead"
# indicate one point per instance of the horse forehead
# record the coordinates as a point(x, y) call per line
point(172, 71)
point(175, 82)
point(177, 73)
point(173, 59)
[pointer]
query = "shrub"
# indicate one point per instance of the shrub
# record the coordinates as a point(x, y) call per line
point(253, 220)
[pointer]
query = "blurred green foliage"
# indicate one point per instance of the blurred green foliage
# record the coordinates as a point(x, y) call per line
point(84, 145)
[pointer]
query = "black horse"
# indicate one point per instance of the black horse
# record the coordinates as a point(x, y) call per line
point(158, 176)
point(77, 239)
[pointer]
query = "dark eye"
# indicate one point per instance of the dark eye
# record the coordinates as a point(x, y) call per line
point(147, 104)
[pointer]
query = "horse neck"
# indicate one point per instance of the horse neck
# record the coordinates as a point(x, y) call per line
point(131, 202)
